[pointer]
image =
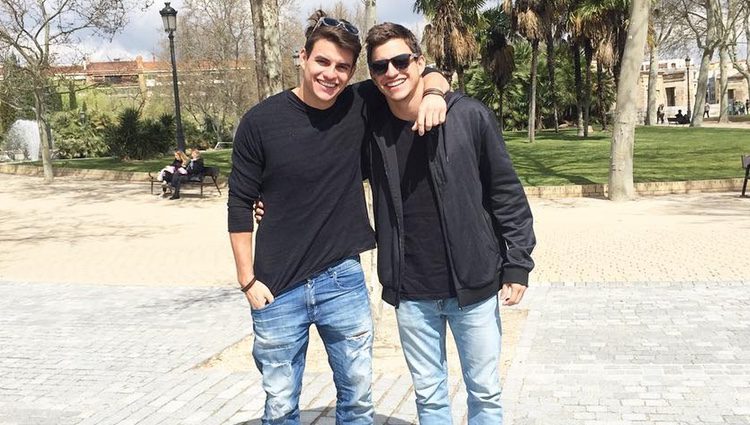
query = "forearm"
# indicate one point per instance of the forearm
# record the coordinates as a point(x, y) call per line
point(242, 247)
point(436, 80)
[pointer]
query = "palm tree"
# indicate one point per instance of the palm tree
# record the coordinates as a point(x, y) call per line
point(527, 20)
point(600, 27)
point(497, 52)
point(554, 25)
point(449, 38)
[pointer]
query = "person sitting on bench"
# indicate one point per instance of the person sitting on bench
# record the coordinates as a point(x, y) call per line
point(195, 170)
point(681, 119)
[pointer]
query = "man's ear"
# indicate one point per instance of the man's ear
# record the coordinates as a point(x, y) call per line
point(421, 64)
point(302, 57)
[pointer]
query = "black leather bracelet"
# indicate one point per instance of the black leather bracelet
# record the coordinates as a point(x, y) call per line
point(433, 91)
point(248, 285)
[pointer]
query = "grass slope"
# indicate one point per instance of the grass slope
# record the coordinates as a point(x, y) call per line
point(661, 154)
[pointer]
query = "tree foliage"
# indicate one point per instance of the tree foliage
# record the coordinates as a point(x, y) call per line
point(132, 137)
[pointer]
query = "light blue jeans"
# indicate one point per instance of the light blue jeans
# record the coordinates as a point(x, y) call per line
point(477, 331)
point(336, 301)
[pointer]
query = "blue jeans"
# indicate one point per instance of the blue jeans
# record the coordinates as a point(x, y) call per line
point(336, 301)
point(476, 330)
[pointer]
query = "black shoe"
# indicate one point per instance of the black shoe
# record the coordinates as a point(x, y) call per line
point(175, 196)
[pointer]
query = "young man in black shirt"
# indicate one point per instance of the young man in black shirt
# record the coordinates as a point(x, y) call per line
point(301, 150)
point(453, 226)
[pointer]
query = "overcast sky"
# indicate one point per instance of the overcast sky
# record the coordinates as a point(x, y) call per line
point(144, 34)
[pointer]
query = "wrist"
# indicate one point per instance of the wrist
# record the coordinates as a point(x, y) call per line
point(433, 90)
point(249, 284)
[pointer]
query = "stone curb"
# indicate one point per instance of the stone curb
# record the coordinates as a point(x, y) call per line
point(85, 174)
point(642, 189)
point(546, 192)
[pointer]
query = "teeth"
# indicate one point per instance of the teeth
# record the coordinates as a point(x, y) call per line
point(395, 83)
point(325, 84)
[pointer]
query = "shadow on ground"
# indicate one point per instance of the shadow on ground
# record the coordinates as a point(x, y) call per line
point(710, 206)
point(379, 419)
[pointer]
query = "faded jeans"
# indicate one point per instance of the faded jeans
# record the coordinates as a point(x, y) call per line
point(336, 301)
point(477, 331)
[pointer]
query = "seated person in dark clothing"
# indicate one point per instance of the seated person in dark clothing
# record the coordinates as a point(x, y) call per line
point(195, 170)
point(681, 119)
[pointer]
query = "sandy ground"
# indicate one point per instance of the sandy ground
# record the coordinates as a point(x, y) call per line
point(115, 233)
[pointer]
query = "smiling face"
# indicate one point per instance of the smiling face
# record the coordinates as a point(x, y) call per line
point(398, 85)
point(327, 70)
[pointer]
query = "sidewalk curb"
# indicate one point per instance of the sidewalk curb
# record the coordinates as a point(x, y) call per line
point(84, 174)
point(642, 189)
point(545, 192)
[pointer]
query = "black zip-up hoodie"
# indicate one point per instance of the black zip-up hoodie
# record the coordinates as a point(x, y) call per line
point(486, 220)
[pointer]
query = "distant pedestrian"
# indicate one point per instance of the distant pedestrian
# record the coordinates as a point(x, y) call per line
point(747, 106)
point(706, 110)
point(660, 114)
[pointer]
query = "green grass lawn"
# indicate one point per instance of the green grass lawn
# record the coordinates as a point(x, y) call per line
point(661, 154)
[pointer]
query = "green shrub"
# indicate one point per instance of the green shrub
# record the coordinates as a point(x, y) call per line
point(75, 139)
point(134, 138)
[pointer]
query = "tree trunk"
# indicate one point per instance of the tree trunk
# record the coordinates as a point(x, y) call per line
point(370, 16)
point(621, 186)
point(551, 73)
point(256, 7)
point(44, 139)
point(724, 100)
point(461, 77)
point(500, 119)
point(576, 50)
point(700, 91)
point(267, 47)
point(588, 51)
point(653, 75)
point(600, 94)
point(532, 94)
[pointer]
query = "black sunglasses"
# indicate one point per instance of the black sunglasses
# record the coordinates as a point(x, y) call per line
point(400, 62)
point(331, 22)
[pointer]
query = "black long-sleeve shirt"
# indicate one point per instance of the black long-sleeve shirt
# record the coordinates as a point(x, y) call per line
point(305, 164)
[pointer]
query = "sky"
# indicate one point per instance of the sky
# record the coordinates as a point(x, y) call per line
point(144, 35)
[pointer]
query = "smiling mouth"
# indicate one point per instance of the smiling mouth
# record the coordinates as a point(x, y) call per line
point(327, 85)
point(396, 83)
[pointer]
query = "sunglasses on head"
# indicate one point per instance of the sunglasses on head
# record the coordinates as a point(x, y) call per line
point(400, 62)
point(331, 22)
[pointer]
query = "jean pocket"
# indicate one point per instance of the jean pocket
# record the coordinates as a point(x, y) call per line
point(350, 277)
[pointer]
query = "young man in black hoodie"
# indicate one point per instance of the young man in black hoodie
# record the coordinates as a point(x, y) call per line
point(453, 226)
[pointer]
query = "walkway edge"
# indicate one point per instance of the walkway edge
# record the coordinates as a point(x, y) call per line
point(552, 192)
point(81, 173)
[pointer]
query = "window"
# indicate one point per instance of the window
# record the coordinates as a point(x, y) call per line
point(670, 96)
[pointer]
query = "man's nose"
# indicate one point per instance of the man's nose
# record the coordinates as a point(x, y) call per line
point(391, 71)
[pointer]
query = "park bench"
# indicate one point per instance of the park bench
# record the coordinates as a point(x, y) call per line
point(746, 166)
point(210, 178)
point(673, 121)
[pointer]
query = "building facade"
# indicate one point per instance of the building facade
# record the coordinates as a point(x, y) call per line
point(672, 88)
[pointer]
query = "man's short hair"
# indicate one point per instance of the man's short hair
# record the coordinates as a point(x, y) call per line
point(383, 33)
point(335, 34)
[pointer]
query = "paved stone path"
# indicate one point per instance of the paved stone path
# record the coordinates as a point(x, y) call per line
point(590, 354)
point(661, 354)
point(83, 354)
point(639, 313)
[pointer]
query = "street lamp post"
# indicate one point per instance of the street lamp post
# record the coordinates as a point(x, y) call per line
point(687, 73)
point(169, 17)
point(297, 64)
